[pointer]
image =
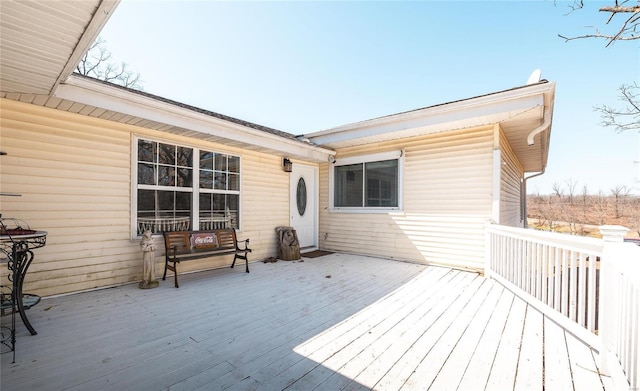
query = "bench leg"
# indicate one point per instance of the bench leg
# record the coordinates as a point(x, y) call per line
point(246, 260)
point(175, 276)
point(166, 264)
point(173, 268)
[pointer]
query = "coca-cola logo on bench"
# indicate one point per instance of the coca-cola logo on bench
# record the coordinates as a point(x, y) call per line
point(204, 240)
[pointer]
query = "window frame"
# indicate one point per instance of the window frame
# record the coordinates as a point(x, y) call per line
point(194, 190)
point(361, 159)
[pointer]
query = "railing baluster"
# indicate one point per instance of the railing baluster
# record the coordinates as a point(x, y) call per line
point(557, 274)
point(592, 292)
point(582, 290)
point(573, 285)
point(564, 296)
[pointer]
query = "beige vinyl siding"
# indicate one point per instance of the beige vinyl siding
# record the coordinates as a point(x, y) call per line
point(74, 174)
point(510, 186)
point(447, 201)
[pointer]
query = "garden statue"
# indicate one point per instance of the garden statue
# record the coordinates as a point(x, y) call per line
point(148, 261)
point(289, 245)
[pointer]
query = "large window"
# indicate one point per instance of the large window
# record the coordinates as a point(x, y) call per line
point(371, 182)
point(180, 188)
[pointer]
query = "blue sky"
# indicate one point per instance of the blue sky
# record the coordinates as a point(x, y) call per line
point(307, 66)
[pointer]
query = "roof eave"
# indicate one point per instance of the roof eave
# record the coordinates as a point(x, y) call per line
point(94, 93)
point(468, 113)
point(452, 108)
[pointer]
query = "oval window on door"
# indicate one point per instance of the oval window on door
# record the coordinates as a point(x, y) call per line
point(301, 196)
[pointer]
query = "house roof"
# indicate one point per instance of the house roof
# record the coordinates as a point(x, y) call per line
point(41, 43)
point(524, 114)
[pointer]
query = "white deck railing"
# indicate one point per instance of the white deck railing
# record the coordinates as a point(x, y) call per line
point(589, 286)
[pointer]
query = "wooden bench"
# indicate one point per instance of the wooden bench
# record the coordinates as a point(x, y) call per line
point(187, 245)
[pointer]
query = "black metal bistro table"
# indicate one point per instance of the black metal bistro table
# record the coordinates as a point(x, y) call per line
point(16, 250)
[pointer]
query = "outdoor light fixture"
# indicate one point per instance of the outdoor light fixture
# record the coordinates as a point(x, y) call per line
point(287, 166)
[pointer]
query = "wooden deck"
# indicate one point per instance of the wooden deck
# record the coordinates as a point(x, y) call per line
point(329, 323)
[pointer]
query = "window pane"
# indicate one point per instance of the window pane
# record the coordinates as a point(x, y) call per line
point(146, 151)
point(234, 164)
point(166, 176)
point(233, 209)
point(382, 183)
point(234, 182)
point(184, 177)
point(221, 162)
point(219, 203)
point(206, 203)
point(301, 196)
point(348, 184)
point(206, 160)
point(167, 154)
point(206, 179)
point(183, 203)
point(184, 157)
point(220, 181)
point(146, 174)
point(166, 203)
point(146, 202)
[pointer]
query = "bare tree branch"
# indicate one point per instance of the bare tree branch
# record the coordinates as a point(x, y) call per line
point(627, 117)
point(98, 63)
point(628, 30)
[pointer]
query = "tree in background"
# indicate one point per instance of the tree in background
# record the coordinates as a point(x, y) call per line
point(564, 209)
point(627, 18)
point(620, 194)
point(99, 64)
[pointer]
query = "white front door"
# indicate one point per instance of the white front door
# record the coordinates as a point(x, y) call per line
point(304, 203)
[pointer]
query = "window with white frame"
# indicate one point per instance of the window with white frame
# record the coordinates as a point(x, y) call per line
point(371, 182)
point(181, 188)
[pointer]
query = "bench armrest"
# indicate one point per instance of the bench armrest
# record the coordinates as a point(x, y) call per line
point(246, 245)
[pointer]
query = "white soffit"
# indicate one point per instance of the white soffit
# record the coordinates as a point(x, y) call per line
point(41, 42)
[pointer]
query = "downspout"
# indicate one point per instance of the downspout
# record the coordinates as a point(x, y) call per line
point(524, 196)
point(545, 125)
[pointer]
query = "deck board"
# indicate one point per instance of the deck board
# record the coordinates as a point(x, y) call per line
point(479, 367)
point(337, 322)
point(530, 367)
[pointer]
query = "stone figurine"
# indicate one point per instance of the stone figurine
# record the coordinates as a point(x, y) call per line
point(148, 261)
point(289, 246)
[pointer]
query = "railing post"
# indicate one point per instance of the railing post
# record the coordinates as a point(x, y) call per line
point(612, 235)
